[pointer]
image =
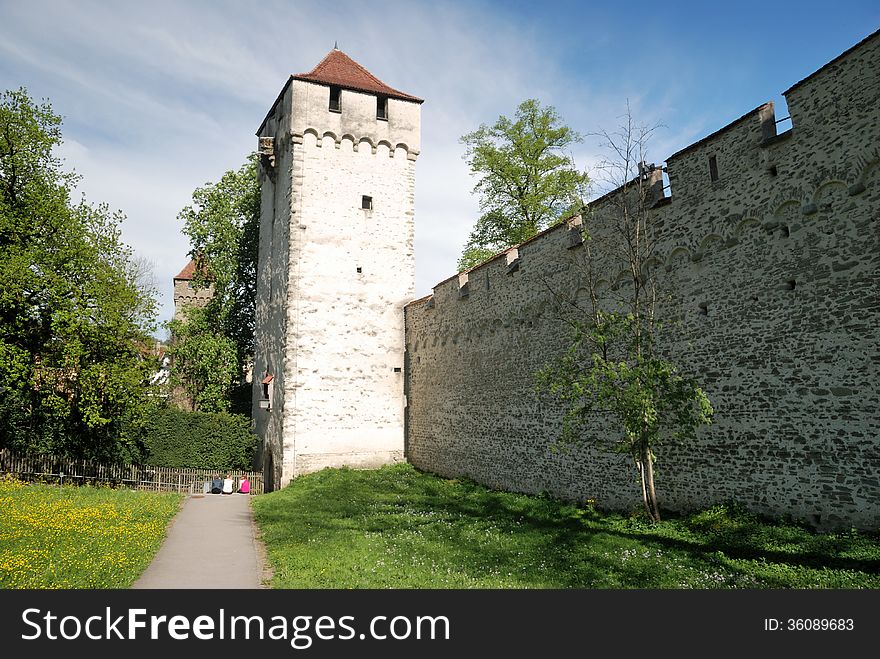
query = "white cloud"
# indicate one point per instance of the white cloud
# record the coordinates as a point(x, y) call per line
point(161, 97)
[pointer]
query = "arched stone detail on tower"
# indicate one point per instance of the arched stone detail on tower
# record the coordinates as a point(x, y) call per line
point(387, 145)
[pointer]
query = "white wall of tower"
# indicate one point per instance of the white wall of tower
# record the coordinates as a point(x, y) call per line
point(334, 335)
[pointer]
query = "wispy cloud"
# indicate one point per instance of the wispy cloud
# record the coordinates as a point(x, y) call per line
point(161, 97)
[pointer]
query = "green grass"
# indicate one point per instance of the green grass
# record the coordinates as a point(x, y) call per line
point(397, 528)
point(79, 537)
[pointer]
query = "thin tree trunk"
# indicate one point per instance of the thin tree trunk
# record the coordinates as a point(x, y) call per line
point(641, 469)
point(648, 471)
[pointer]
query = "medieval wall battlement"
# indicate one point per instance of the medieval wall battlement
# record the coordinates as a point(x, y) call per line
point(768, 250)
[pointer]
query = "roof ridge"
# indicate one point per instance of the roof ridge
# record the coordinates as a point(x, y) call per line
point(364, 69)
point(339, 68)
point(318, 65)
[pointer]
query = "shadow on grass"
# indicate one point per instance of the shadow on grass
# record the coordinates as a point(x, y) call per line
point(430, 524)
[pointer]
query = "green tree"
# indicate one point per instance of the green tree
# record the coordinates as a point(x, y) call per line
point(222, 225)
point(204, 366)
point(75, 321)
point(615, 369)
point(526, 180)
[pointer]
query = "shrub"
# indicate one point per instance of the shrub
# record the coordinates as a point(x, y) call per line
point(177, 438)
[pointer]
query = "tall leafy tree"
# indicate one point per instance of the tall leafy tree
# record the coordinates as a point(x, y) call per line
point(526, 179)
point(205, 367)
point(222, 225)
point(615, 372)
point(75, 321)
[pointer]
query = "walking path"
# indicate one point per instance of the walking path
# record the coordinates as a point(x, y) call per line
point(211, 543)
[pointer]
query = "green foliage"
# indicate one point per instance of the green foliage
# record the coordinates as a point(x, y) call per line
point(212, 347)
point(177, 438)
point(205, 367)
point(75, 318)
point(602, 373)
point(473, 256)
point(526, 180)
point(397, 528)
point(611, 371)
point(222, 224)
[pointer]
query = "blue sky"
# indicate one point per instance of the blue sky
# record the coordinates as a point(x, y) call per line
point(160, 98)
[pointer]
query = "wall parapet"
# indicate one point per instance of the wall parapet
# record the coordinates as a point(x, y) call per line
point(767, 252)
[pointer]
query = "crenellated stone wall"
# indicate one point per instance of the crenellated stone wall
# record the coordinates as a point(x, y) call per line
point(773, 272)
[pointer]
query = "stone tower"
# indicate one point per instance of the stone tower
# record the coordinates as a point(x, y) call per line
point(185, 294)
point(338, 151)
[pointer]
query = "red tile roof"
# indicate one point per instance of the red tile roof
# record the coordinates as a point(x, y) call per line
point(188, 271)
point(337, 68)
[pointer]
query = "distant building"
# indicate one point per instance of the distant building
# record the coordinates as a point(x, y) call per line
point(161, 375)
point(185, 294)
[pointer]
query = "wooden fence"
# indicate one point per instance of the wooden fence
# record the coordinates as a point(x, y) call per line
point(55, 469)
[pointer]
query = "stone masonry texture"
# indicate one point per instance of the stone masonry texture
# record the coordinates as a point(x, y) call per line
point(772, 276)
point(333, 279)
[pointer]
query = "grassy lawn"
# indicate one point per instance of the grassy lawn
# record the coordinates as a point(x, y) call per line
point(397, 528)
point(79, 537)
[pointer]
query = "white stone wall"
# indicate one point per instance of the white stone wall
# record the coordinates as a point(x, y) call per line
point(272, 276)
point(357, 118)
point(339, 277)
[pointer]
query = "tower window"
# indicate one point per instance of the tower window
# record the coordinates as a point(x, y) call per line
point(382, 107)
point(367, 203)
point(335, 96)
point(713, 168)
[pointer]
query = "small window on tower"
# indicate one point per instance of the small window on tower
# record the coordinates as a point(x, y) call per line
point(382, 107)
point(367, 203)
point(713, 168)
point(335, 95)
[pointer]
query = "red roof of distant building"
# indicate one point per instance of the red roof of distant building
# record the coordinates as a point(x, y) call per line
point(337, 68)
point(188, 271)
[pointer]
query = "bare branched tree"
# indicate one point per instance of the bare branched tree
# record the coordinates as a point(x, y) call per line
point(614, 366)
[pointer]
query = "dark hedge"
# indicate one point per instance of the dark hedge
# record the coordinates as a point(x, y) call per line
point(176, 438)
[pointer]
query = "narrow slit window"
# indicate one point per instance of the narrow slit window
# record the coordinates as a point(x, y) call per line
point(713, 168)
point(382, 107)
point(335, 99)
point(367, 203)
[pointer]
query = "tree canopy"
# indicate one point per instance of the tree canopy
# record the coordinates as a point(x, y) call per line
point(526, 180)
point(75, 316)
point(214, 346)
point(205, 367)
